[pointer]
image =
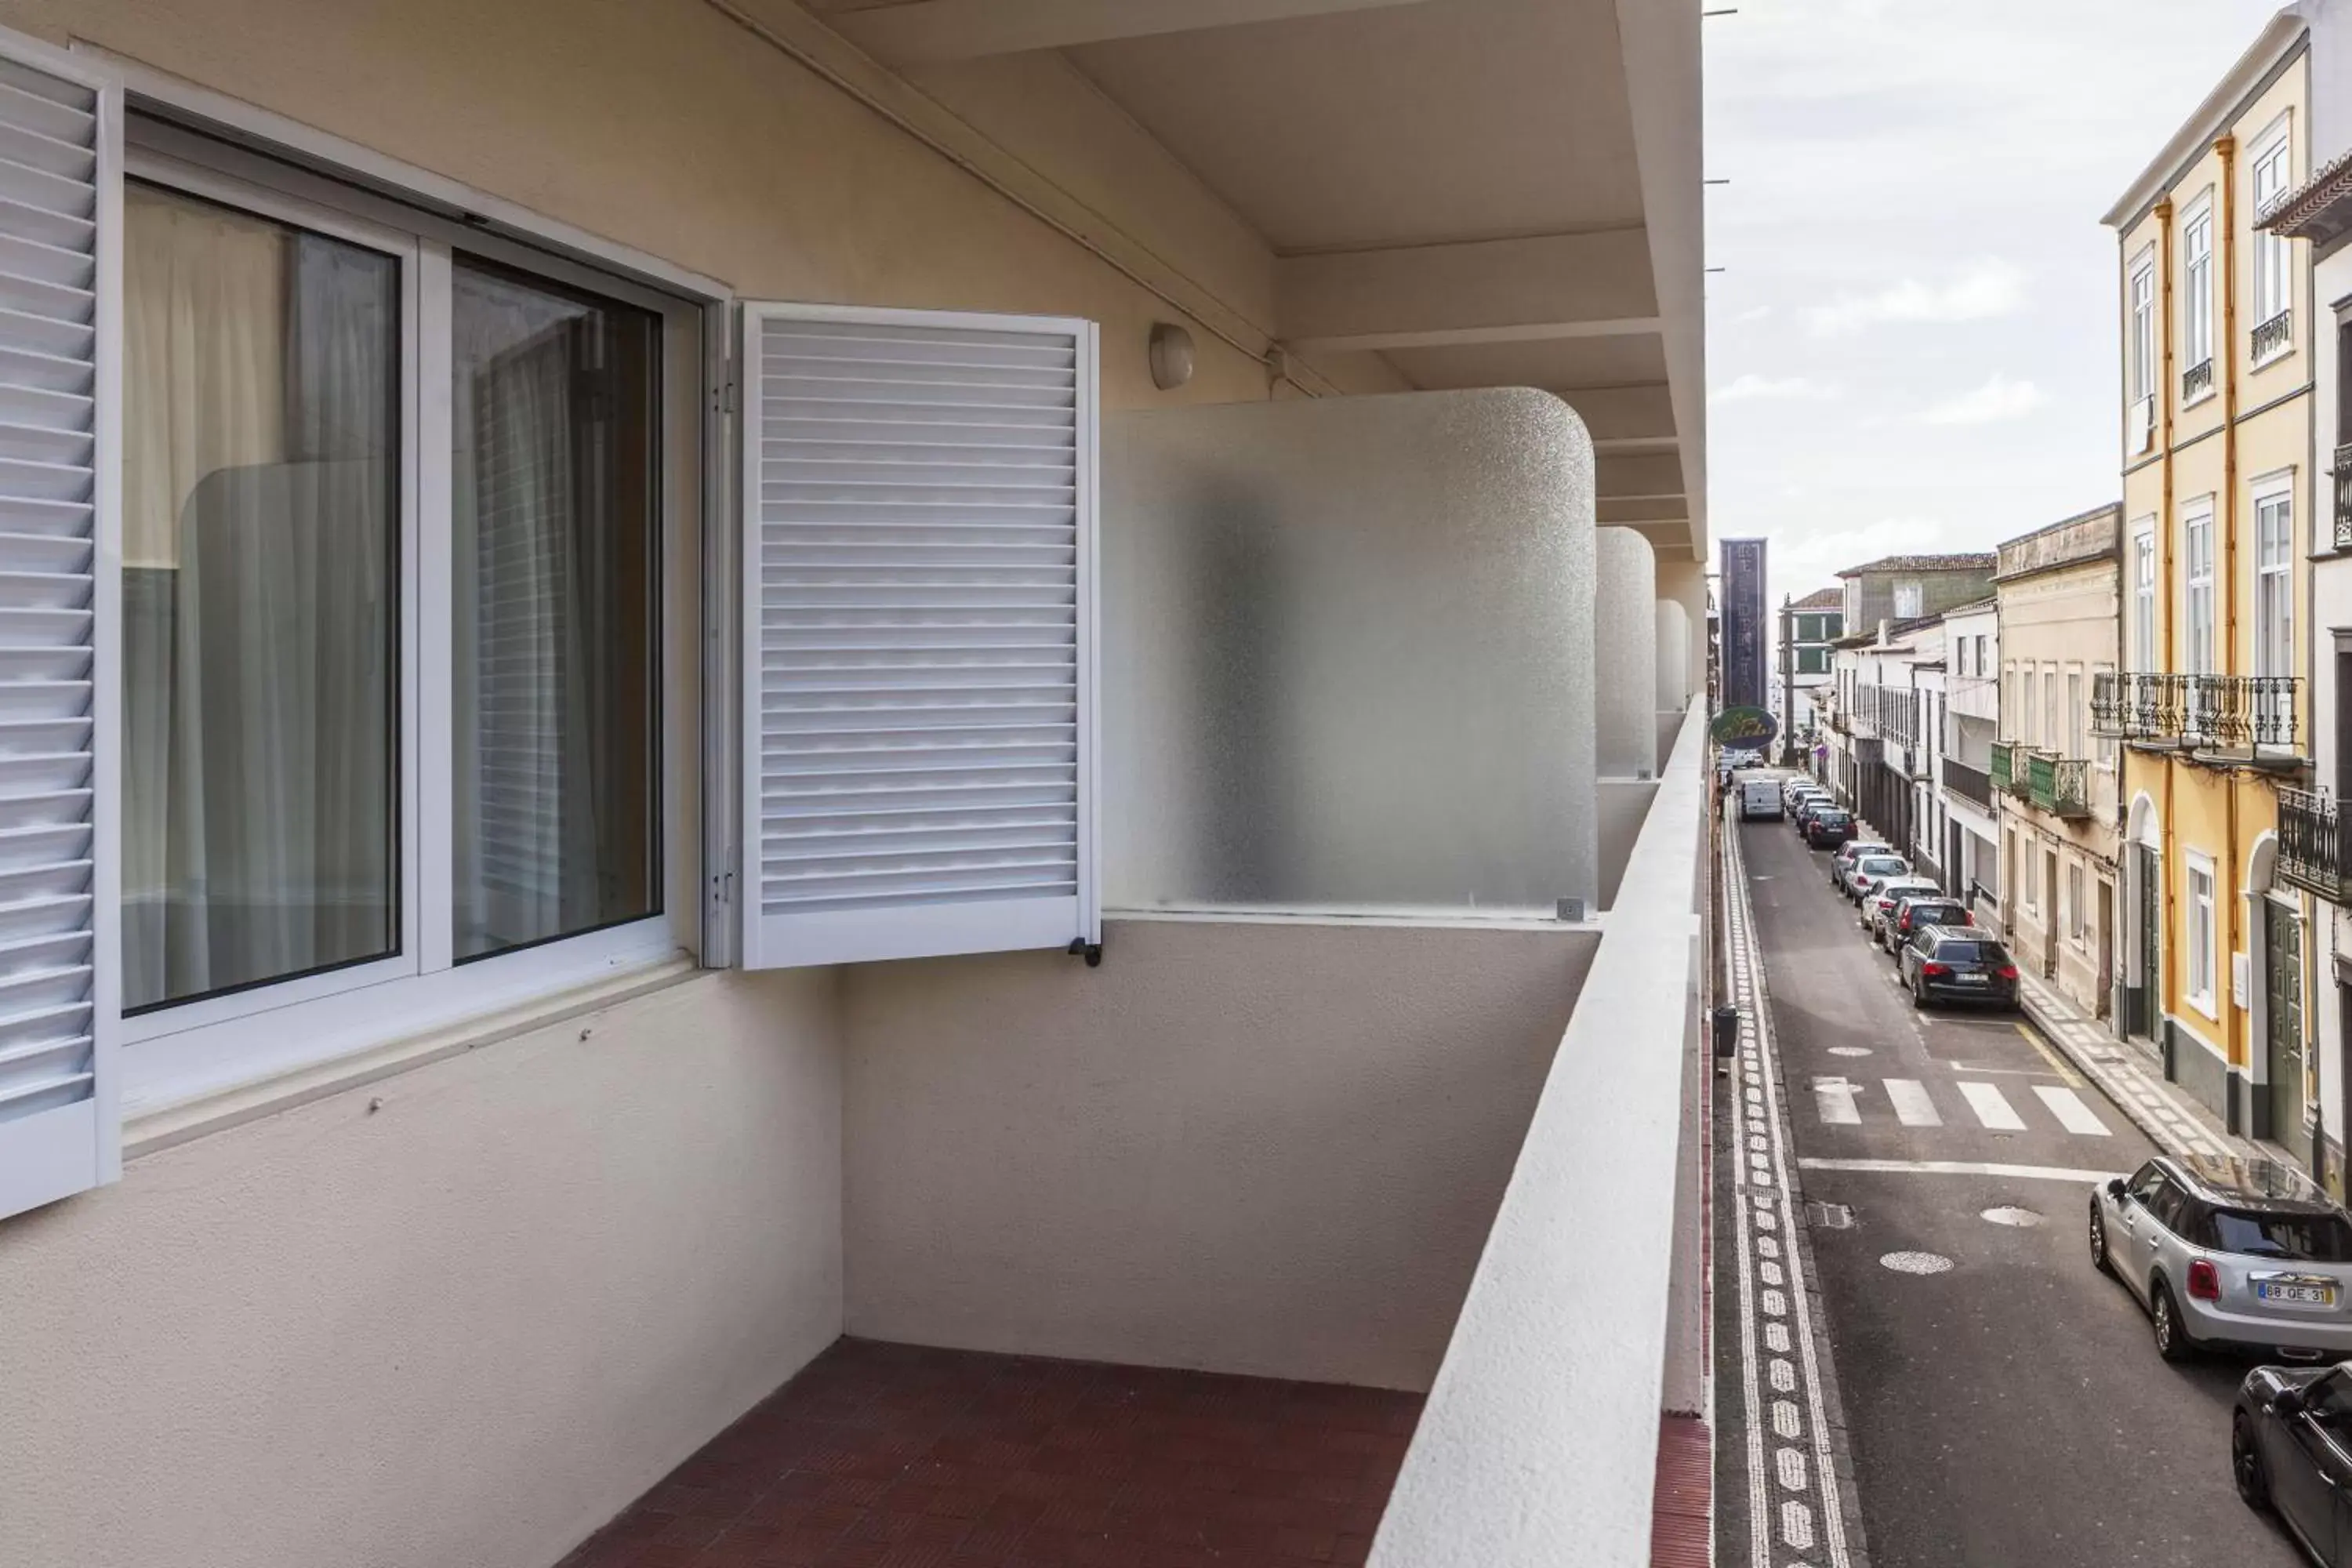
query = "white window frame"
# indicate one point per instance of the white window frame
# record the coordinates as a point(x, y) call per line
point(2052, 720)
point(2201, 657)
point(2196, 294)
point(2070, 894)
point(2077, 712)
point(2144, 595)
point(1917, 594)
point(2204, 944)
point(2104, 745)
point(2143, 325)
point(2274, 497)
point(2272, 168)
point(184, 1050)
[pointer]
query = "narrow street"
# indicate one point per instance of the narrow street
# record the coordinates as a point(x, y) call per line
point(2002, 1402)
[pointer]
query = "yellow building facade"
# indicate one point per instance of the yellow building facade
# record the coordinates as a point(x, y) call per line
point(2213, 701)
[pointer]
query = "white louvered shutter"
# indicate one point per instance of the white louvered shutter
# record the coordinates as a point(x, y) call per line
point(919, 599)
point(61, 219)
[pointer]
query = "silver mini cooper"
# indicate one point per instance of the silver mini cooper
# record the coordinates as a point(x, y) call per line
point(2234, 1254)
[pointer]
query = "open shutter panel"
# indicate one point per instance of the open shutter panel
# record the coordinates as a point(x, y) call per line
point(60, 214)
point(918, 682)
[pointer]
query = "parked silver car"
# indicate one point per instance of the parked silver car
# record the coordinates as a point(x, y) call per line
point(1869, 869)
point(1881, 894)
point(1851, 850)
point(2242, 1254)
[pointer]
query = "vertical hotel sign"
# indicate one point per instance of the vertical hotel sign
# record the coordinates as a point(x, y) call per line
point(1745, 683)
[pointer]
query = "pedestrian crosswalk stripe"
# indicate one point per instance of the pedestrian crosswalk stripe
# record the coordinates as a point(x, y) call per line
point(1912, 1106)
point(1991, 1107)
point(2072, 1113)
point(1835, 1097)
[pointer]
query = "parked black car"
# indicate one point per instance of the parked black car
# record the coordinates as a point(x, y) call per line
point(2291, 1451)
point(1955, 964)
point(1811, 807)
point(1829, 827)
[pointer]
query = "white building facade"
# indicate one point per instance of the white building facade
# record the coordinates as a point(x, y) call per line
point(1971, 838)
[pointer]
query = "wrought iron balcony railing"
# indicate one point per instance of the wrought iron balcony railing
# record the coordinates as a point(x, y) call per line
point(2110, 703)
point(1968, 784)
point(2272, 336)
point(2343, 472)
point(2197, 380)
point(2312, 850)
point(2249, 715)
point(2060, 785)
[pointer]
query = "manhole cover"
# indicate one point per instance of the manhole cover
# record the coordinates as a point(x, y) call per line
point(1915, 1262)
point(1849, 1050)
point(2010, 1214)
point(1832, 1216)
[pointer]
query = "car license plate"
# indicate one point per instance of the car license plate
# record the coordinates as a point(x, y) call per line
point(2297, 1295)
point(1970, 979)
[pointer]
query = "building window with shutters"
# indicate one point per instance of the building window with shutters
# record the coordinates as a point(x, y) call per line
point(2274, 575)
point(2198, 542)
point(344, 540)
point(2142, 604)
point(400, 499)
point(2204, 936)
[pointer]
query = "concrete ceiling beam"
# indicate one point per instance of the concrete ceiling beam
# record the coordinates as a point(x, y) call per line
point(1473, 292)
point(927, 32)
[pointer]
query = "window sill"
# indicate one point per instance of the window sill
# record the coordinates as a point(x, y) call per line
point(2208, 396)
point(2264, 362)
point(2206, 1005)
point(179, 1087)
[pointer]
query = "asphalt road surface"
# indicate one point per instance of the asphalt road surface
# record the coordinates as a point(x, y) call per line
point(2009, 1411)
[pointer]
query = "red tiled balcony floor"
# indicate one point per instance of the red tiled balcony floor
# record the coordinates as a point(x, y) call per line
point(883, 1456)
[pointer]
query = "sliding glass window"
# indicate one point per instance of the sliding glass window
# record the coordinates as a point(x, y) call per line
point(556, 535)
point(395, 505)
point(261, 636)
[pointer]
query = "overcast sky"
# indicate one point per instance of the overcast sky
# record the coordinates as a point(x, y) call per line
point(1913, 344)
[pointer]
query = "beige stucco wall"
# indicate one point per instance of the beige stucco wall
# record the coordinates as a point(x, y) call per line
point(1256, 1148)
point(455, 1318)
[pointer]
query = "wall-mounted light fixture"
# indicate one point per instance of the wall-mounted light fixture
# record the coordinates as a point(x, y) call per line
point(1171, 355)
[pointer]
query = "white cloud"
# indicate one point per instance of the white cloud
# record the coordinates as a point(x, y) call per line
point(1754, 388)
point(1996, 401)
point(1984, 290)
point(1754, 313)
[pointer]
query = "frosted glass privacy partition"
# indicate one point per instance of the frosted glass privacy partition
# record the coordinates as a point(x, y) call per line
point(1625, 648)
point(1347, 657)
point(1674, 656)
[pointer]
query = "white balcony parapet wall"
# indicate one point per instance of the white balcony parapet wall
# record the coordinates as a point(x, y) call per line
point(1347, 651)
point(1625, 653)
point(1539, 1442)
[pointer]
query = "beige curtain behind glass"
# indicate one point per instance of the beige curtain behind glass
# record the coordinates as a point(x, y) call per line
point(258, 431)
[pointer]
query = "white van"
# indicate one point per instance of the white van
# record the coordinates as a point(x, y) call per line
point(1759, 797)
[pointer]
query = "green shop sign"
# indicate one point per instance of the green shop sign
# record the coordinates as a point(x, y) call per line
point(1744, 727)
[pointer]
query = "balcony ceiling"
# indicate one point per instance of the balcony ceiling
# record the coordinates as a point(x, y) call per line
point(1483, 193)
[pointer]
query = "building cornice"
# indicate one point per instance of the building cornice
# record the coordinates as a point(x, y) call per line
point(2279, 45)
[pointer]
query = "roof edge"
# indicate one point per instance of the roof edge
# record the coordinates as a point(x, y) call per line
point(2270, 50)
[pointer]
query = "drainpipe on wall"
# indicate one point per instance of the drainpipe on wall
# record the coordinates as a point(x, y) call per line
point(2168, 957)
point(2235, 1047)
